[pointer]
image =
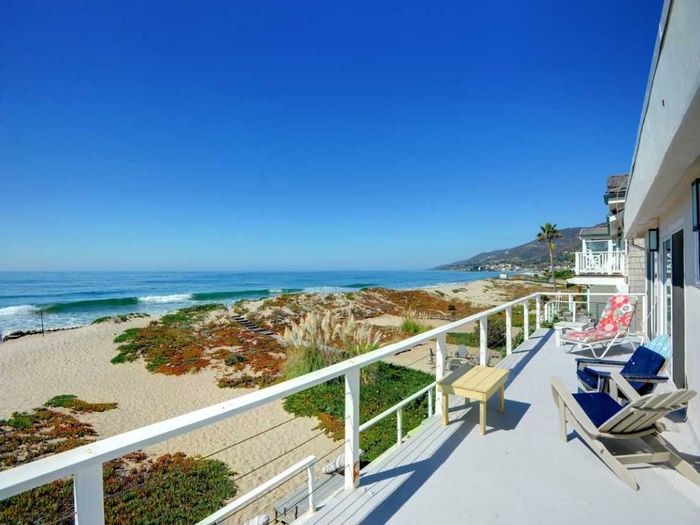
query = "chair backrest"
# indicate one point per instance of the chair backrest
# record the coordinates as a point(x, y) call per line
point(617, 315)
point(644, 361)
point(661, 344)
point(641, 414)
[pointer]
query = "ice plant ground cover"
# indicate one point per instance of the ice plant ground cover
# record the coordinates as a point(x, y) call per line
point(172, 488)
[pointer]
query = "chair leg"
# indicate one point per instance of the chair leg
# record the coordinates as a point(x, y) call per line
point(592, 349)
point(607, 457)
point(562, 421)
point(684, 468)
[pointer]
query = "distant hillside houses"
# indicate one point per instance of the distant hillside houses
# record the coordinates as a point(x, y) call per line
point(529, 257)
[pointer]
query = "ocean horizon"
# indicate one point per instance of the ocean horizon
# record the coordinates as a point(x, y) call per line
point(66, 299)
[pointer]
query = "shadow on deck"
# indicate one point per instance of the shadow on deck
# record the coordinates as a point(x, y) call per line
point(518, 472)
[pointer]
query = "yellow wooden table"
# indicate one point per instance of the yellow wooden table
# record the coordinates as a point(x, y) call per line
point(478, 383)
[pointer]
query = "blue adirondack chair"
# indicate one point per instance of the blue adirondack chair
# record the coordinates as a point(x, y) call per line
point(642, 370)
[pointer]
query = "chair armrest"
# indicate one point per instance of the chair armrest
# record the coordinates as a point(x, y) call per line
point(582, 362)
point(627, 389)
point(640, 378)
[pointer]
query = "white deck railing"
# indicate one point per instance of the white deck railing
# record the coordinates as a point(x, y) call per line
point(85, 463)
point(601, 263)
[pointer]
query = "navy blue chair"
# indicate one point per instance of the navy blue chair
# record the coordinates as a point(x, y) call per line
point(642, 370)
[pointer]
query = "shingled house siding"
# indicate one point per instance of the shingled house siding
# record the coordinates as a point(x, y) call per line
point(636, 275)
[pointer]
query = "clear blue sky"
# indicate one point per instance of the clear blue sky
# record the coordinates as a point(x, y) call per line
point(309, 135)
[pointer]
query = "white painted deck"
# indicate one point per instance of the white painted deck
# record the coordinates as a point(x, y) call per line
point(519, 472)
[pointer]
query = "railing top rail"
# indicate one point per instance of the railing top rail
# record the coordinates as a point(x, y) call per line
point(593, 294)
point(46, 470)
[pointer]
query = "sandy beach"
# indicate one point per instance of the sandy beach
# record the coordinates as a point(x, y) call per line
point(35, 368)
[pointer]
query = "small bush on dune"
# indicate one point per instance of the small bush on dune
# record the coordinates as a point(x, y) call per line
point(385, 385)
point(123, 318)
point(234, 358)
point(414, 323)
point(78, 405)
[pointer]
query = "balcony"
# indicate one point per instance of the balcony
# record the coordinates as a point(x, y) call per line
point(613, 263)
point(520, 471)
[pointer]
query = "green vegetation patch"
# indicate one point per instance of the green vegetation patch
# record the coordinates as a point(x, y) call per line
point(78, 405)
point(190, 339)
point(383, 385)
point(413, 327)
point(495, 336)
point(123, 318)
point(173, 488)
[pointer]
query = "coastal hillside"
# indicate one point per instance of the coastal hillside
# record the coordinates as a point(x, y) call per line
point(531, 255)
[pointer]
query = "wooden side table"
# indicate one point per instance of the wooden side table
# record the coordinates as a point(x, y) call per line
point(478, 383)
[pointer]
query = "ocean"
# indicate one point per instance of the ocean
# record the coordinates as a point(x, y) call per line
point(63, 299)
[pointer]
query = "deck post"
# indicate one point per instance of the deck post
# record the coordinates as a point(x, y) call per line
point(572, 308)
point(645, 324)
point(311, 478)
point(538, 312)
point(483, 335)
point(399, 426)
point(509, 330)
point(526, 321)
point(440, 353)
point(88, 496)
point(352, 428)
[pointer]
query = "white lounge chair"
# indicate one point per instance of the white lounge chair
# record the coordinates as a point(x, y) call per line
point(597, 415)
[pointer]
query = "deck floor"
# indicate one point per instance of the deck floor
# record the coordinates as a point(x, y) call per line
point(519, 472)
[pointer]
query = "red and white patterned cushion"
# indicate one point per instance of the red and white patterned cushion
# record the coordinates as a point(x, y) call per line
point(616, 318)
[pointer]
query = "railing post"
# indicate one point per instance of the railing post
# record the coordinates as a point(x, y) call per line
point(399, 426)
point(483, 340)
point(509, 330)
point(440, 352)
point(526, 321)
point(645, 323)
point(88, 496)
point(538, 312)
point(572, 308)
point(430, 402)
point(311, 478)
point(352, 428)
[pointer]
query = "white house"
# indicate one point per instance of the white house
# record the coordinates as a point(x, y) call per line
point(661, 209)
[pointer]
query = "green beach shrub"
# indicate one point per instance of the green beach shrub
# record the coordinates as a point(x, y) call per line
point(78, 405)
point(234, 358)
point(170, 489)
point(412, 327)
point(120, 318)
point(384, 386)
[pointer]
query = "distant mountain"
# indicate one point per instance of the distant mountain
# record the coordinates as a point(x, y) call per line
point(533, 254)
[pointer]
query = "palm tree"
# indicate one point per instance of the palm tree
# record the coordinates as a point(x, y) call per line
point(548, 232)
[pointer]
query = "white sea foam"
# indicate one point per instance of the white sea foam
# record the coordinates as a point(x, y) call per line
point(325, 289)
point(173, 298)
point(22, 309)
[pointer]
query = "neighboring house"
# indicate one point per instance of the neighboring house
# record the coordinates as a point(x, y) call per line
point(601, 265)
point(661, 210)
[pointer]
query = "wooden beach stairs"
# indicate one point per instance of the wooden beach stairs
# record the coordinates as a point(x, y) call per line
point(250, 325)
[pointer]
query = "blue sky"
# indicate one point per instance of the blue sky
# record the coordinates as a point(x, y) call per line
point(308, 135)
